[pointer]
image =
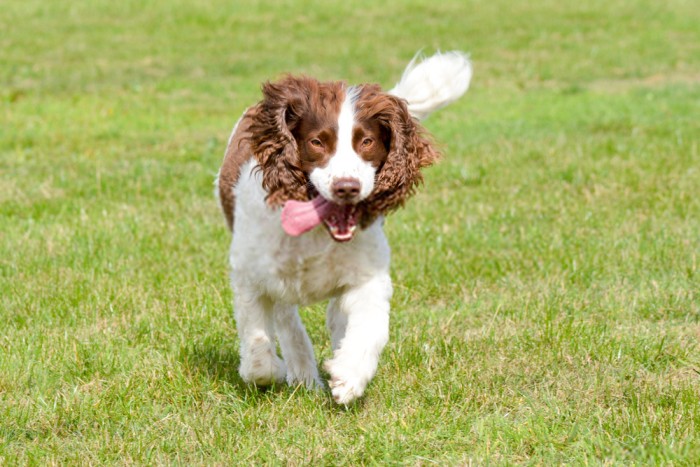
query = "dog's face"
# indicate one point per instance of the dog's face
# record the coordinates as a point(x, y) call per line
point(341, 154)
point(358, 148)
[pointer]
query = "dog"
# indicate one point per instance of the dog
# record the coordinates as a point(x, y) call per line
point(308, 175)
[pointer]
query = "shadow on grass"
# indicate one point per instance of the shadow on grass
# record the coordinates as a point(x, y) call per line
point(219, 362)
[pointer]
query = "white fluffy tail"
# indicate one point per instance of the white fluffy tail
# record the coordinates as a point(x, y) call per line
point(434, 82)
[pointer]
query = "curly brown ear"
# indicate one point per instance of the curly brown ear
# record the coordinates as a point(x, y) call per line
point(273, 145)
point(409, 151)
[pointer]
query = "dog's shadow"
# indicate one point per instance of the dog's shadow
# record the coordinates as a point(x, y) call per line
point(216, 361)
point(219, 362)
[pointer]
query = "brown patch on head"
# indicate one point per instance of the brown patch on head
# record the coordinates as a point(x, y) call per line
point(294, 131)
point(371, 141)
point(406, 149)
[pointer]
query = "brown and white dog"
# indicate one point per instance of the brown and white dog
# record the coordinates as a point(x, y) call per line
point(308, 175)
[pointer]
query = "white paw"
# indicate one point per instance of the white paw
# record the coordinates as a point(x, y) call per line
point(345, 392)
point(263, 368)
point(308, 378)
point(346, 386)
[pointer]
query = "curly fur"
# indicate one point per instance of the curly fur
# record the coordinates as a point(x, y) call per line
point(409, 151)
point(272, 138)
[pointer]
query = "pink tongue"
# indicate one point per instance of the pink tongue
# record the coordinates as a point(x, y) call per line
point(301, 216)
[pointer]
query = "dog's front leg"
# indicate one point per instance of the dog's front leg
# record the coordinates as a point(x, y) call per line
point(367, 331)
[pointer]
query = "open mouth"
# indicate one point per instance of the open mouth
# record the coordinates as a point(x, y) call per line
point(341, 220)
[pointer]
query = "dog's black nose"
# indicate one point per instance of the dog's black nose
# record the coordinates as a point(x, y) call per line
point(346, 189)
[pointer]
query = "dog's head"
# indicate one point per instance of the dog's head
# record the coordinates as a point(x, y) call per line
point(358, 148)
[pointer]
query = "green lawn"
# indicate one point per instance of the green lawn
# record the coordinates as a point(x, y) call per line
point(547, 303)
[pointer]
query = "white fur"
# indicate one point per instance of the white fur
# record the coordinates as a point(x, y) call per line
point(345, 163)
point(434, 82)
point(273, 273)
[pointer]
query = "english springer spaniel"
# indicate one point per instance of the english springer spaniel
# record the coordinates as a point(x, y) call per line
point(308, 175)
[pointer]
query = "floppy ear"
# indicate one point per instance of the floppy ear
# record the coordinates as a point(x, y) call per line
point(273, 145)
point(409, 151)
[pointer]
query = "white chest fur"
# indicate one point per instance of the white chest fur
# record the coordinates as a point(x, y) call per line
point(297, 270)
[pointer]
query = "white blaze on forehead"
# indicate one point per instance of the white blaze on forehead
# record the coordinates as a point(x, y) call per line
point(346, 121)
point(345, 163)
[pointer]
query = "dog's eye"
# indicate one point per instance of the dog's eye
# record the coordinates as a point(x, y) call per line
point(367, 142)
point(317, 143)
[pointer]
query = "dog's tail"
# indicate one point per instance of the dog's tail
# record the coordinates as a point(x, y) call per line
point(429, 84)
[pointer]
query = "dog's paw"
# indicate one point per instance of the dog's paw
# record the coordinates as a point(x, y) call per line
point(263, 369)
point(346, 386)
point(309, 379)
point(345, 392)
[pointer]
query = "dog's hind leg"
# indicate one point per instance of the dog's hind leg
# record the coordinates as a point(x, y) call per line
point(297, 351)
point(336, 322)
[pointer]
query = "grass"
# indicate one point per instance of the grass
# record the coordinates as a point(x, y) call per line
point(547, 284)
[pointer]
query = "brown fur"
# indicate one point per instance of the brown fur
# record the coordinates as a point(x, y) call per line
point(237, 153)
point(409, 151)
point(276, 133)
